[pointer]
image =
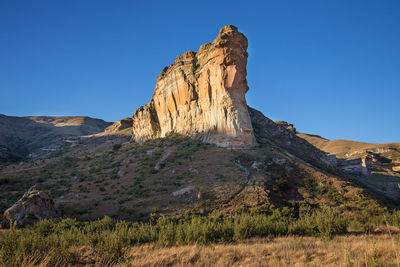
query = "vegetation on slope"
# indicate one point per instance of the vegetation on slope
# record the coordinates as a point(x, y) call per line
point(129, 181)
point(242, 194)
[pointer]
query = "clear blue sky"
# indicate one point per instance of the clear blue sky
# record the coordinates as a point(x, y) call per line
point(330, 67)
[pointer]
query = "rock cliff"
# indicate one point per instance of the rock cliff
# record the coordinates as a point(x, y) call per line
point(202, 94)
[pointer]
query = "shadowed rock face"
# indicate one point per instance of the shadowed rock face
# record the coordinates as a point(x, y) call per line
point(284, 135)
point(202, 95)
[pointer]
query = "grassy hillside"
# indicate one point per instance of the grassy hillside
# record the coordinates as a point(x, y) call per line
point(38, 136)
point(349, 149)
point(384, 159)
point(112, 176)
point(178, 191)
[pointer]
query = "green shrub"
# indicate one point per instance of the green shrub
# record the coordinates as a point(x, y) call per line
point(309, 184)
point(116, 147)
point(282, 184)
point(335, 196)
point(194, 65)
point(83, 189)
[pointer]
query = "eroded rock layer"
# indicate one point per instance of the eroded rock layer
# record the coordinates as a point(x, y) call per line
point(119, 125)
point(202, 95)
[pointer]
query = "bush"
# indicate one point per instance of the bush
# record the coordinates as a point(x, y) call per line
point(194, 65)
point(4, 181)
point(335, 196)
point(116, 147)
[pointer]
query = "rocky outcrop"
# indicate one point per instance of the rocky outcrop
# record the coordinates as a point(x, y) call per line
point(284, 136)
point(357, 166)
point(34, 205)
point(119, 125)
point(287, 126)
point(202, 95)
point(396, 168)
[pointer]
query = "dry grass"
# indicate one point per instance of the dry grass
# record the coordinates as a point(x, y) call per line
point(342, 147)
point(363, 250)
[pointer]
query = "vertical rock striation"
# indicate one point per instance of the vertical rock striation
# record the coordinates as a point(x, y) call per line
point(202, 95)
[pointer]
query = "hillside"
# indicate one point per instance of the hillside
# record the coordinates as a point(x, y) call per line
point(380, 157)
point(348, 148)
point(22, 137)
point(107, 174)
point(380, 162)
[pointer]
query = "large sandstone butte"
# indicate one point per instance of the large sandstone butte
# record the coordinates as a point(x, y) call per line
point(202, 95)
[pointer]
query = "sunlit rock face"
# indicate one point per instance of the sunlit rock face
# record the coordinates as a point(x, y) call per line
point(202, 95)
point(119, 125)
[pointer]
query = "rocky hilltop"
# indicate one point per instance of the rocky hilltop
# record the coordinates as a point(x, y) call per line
point(202, 94)
point(383, 157)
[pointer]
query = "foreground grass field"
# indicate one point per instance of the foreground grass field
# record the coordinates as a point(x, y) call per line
point(282, 237)
point(349, 250)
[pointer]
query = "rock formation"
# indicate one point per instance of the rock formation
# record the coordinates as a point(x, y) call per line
point(202, 95)
point(358, 166)
point(287, 126)
point(34, 205)
point(119, 125)
point(284, 135)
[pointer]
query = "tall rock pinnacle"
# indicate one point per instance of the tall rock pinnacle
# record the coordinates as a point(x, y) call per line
point(202, 95)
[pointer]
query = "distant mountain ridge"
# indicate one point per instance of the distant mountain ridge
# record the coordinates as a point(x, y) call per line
point(348, 148)
point(21, 137)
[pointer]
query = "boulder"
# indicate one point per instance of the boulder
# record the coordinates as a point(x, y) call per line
point(33, 206)
point(183, 191)
point(161, 161)
point(396, 168)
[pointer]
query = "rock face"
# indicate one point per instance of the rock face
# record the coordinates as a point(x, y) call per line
point(202, 95)
point(287, 126)
point(284, 136)
point(358, 166)
point(34, 205)
point(119, 125)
